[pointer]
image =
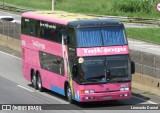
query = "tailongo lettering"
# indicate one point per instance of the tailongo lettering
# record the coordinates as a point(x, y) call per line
point(102, 50)
point(37, 44)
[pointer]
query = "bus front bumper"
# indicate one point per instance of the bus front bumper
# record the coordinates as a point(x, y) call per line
point(105, 96)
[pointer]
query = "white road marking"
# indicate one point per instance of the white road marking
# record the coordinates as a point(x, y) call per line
point(145, 100)
point(25, 88)
point(10, 55)
point(152, 102)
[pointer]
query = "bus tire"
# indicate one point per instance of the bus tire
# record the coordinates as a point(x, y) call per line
point(39, 83)
point(34, 81)
point(69, 94)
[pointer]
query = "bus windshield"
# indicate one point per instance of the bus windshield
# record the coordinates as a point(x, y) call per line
point(94, 69)
point(101, 36)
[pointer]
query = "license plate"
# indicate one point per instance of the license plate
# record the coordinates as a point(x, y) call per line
point(107, 97)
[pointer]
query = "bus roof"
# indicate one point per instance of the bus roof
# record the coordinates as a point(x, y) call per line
point(97, 22)
point(66, 18)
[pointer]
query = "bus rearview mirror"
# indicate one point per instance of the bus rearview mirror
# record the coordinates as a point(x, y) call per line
point(132, 67)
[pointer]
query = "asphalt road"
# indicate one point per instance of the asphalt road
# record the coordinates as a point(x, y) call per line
point(144, 46)
point(16, 17)
point(14, 89)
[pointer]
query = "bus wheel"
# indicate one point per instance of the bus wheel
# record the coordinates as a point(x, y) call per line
point(39, 83)
point(69, 95)
point(34, 81)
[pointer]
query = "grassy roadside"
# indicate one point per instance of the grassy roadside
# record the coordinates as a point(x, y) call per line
point(31, 4)
point(100, 7)
point(146, 34)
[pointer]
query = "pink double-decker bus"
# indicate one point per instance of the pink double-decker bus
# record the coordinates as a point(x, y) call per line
point(81, 57)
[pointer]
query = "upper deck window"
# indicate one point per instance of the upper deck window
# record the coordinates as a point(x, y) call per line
point(101, 36)
point(42, 29)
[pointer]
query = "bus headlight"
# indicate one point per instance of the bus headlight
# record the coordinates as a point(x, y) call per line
point(91, 91)
point(121, 89)
point(124, 89)
point(87, 91)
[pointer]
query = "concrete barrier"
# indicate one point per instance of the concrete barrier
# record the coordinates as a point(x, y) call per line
point(146, 83)
point(10, 43)
point(139, 81)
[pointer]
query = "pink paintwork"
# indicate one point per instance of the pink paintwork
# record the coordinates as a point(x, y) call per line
point(42, 45)
point(96, 51)
point(100, 91)
point(38, 17)
point(31, 60)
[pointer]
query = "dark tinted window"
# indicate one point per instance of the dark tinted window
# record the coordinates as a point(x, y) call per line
point(49, 31)
point(71, 37)
point(28, 27)
point(52, 63)
point(41, 29)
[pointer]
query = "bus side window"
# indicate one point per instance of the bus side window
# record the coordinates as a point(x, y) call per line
point(59, 34)
point(42, 32)
point(31, 31)
point(26, 26)
point(52, 63)
point(38, 29)
point(32, 27)
point(60, 66)
point(74, 71)
point(71, 37)
point(54, 35)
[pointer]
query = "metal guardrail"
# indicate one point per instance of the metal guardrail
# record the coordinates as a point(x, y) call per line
point(131, 19)
point(12, 8)
point(119, 18)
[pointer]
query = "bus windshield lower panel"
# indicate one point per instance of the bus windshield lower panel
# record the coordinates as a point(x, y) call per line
point(103, 69)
